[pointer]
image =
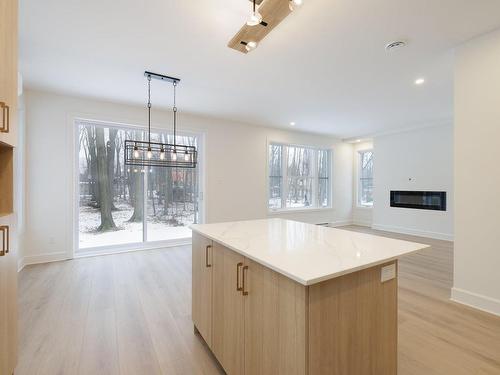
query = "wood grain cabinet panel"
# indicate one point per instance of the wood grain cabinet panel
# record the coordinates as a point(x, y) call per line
point(275, 323)
point(3, 305)
point(228, 310)
point(353, 319)
point(8, 71)
point(8, 296)
point(202, 286)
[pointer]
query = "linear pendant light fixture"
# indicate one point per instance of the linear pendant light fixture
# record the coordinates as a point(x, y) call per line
point(155, 154)
point(268, 15)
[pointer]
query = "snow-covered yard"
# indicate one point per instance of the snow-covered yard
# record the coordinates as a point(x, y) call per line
point(157, 229)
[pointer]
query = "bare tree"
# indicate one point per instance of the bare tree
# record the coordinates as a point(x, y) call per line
point(107, 222)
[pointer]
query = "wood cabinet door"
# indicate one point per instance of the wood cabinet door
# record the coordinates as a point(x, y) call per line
point(275, 322)
point(8, 297)
point(202, 286)
point(8, 70)
point(227, 340)
point(12, 314)
point(3, 306)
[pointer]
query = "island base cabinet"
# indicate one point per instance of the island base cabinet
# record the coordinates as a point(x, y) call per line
point(202, 286)
point(264, 323)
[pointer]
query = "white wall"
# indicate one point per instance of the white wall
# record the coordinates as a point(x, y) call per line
point(235, 175)
point(477, 173)
point(360, 215)
point(414, 160)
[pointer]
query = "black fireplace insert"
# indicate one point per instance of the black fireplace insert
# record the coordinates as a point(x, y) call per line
point(424, 200)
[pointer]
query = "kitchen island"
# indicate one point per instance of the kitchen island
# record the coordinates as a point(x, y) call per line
point(276, 296)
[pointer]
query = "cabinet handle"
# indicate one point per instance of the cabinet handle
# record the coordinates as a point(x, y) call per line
point(244, 292)
point(238, 287)
point(5, 240)
point(206, 256)
point(5, 118)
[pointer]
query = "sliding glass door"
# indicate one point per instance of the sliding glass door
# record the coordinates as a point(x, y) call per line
point(121, 206)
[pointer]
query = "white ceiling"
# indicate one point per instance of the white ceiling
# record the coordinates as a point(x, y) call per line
point(324, 67)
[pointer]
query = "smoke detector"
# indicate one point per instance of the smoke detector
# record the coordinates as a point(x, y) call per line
point(395, 45)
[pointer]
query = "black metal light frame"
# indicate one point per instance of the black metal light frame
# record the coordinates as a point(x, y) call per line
point(169, 155)
point(185, 156)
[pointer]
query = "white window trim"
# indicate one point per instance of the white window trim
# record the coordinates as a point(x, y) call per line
point(284, 192)
point(358, 179)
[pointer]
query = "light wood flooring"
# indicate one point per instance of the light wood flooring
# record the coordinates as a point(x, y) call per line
point(130, 314)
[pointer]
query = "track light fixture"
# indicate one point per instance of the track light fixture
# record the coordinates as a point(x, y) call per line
point(255, 18)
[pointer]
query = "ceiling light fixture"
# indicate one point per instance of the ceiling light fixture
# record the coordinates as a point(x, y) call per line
point(255, 18)
point(292, 123)
point(419, 81)
point(273, 12)
point(295, 4)
point(154, 154)
point(250, 46)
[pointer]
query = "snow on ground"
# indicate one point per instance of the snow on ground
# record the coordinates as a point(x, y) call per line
point(90, 219)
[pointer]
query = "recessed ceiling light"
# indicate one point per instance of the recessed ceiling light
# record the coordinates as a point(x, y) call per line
point(358, 140)
point(292, 123)
point(395, 45)
point(419, 81)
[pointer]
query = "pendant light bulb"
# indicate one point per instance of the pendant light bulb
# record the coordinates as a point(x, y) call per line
point(186, 156)
point(150, 153)
point(136, 152)
point(250, 46)
point(255, 18)
point(294, 4)
point(174, 155)
point(162, 154)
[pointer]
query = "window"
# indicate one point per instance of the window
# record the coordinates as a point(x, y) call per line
point(365, 178)
point(122, 205)
point(299, 177)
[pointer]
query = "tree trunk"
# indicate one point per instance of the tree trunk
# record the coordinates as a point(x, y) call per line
point(107, 222)
point(111, 165)
point(138, 199)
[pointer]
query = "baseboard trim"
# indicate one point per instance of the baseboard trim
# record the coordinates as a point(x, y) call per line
point(42, 258)
point(362, 223)
point(57, 257)
point(339, 223)
point(414, 232)
point(162, 245)
point(476, 301)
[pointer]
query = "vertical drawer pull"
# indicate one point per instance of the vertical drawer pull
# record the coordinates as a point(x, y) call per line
point(244, 292)
point(5, 118)
point(5, 240)
point(207, 264)
point(238, 287)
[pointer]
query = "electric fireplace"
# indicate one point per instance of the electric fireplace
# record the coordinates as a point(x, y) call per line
point(423, 200)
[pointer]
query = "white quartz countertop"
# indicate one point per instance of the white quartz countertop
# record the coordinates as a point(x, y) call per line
point(303, 252)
